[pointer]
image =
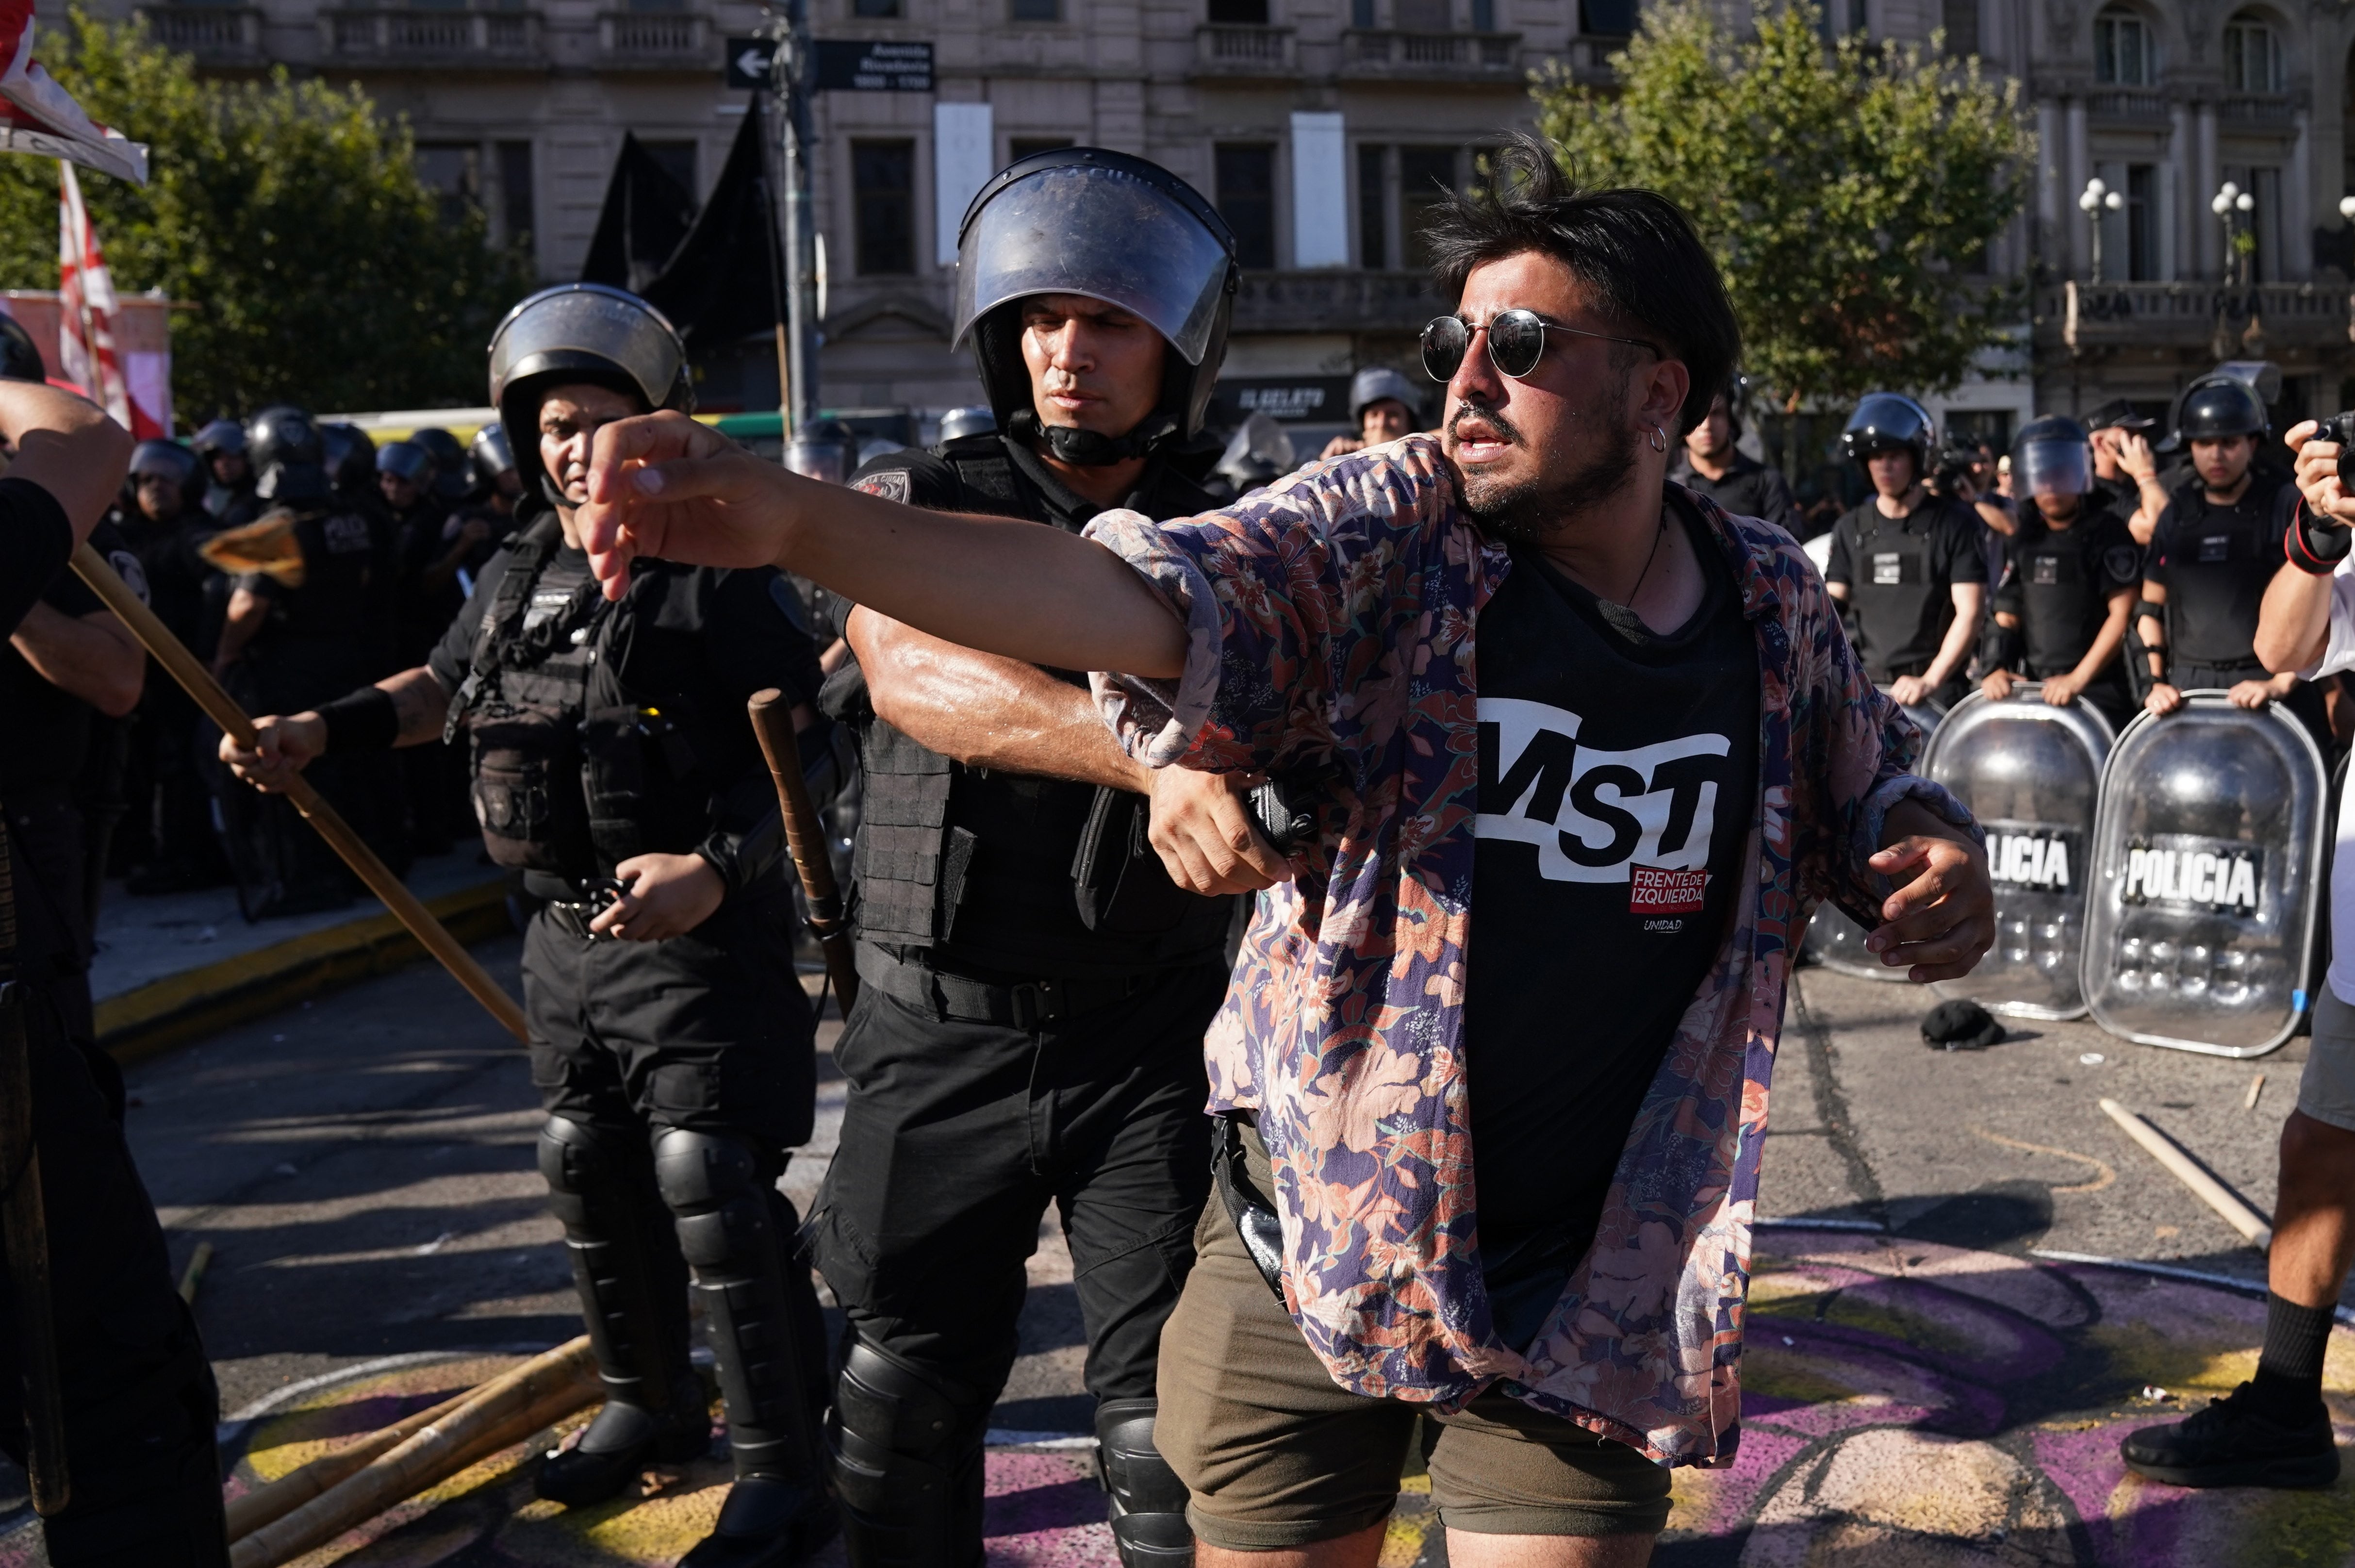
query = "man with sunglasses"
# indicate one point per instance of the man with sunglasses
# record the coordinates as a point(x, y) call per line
point(1663, 753)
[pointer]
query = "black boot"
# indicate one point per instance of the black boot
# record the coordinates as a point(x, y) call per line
point(633, 1287)
point(760, 1317)
point(2228, 1443)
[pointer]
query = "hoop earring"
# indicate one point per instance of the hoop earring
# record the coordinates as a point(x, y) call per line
point(1659, 439)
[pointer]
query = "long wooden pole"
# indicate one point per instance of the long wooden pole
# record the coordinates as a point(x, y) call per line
point(2215, 1193)
point(183, 667)
point(806, 838)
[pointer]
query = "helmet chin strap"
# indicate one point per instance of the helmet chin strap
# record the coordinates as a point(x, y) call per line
point(1091, 449)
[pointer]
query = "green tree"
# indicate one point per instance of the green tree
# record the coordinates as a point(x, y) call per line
point(1848, 191)
point(322, 270)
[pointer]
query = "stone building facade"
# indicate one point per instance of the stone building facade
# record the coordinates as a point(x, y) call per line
point(1321, 127)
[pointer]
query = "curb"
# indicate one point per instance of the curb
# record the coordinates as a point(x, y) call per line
point(155, 1016)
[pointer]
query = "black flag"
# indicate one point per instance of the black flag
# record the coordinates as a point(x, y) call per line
point(725, 283)
point(648, 212)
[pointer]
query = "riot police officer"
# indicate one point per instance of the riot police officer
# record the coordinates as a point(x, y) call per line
point(1906, 563)
point(307, 620)
point(139, 1405)
point(615, 766)
point(230, 498)
point(2217, 545)
point(1716, 467)
point(1037, 988)
point(2069, 586)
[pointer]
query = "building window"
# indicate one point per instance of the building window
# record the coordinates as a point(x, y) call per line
point(678, 160)
point(883, 186)
point(515, 205)
point(454, 170)
point(1607, 18)
point(1960, 21)
point(2251, 56)
point(2142, 223)
point(1483, 16)
point(877, 8)
point(1373, 208)
point(1021, 147)
point(1361, 13)
point(2122, 50)
point(1422, 16)
point(1246, 178)
point(1240, 13)
point(1036, 10)
point(1426, 182)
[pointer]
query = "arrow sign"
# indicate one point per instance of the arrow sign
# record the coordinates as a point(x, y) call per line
point(749, 60)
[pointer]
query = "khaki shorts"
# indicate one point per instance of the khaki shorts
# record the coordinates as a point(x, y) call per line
point(1277, 1454)
point(2326, 1090)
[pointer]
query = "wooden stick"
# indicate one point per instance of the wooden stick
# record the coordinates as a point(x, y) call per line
point(183, 667)
point(2256, 1087)
point(298, 1486)
point(805, 836)
point(501, 1413)
point(2217, 1196)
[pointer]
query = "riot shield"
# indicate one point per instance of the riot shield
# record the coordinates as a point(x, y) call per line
point(2031, 773)
point(2208, 870)
point(1835, 941)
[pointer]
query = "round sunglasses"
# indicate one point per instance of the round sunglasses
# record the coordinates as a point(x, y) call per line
point(1516, 340)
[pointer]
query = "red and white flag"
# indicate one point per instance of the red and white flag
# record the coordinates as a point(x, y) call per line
point(85, 310)
point(38, 116)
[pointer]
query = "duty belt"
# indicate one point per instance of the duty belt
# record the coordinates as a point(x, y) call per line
point(572, 905)
point(1026, 1005)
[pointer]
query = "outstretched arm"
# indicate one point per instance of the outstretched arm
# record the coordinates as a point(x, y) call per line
point(664, 485)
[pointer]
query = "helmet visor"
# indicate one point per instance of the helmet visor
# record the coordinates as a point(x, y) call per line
point(562, 328)
point(1099, 232)
point(2053, 468)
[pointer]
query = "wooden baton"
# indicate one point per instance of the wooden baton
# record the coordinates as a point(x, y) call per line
point(223, 710)
point(772, 722)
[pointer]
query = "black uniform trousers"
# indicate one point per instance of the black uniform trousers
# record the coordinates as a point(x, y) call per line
point(140, 1402)
point(957, 1135)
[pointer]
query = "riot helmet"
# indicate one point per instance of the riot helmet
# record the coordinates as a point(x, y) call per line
point(406, 461)
point(351, 456)
point(2051, 454)
point(452, 481)
point(1375, 383)
point(581, 333)
point(1891, 422)
point(2217, 407)
point(220, 436)
point(958, 423)
point(285, 448)
point(1110, 227)
point(20, 356)
point(173, 463)
point(491, 456)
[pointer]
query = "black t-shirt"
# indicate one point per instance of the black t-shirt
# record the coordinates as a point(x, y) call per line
point(1618, 781)
point(49, 728)
point(2059, 582)
point(1900, 573)
point(1750, 489)
point(36, 538)
point(2214, 562)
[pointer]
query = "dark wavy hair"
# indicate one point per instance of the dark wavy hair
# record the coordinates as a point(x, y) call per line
point(1635, 249)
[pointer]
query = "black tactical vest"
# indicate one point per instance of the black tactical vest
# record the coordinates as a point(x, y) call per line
point(317, 643)
point(998, 871)
point(571, 775)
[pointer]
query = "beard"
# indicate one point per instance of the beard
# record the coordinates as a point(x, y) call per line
point(1529, 511)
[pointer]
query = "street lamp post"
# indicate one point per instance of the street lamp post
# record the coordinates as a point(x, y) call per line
point(2097, 199)
point(2233, 206)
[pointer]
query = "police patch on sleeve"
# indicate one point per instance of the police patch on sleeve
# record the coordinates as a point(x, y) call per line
point(2120, 561)
point(127, 567)
point(891, 485)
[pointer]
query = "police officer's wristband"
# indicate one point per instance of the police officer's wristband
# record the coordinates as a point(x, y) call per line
point(365, 720)
point(2318, 550)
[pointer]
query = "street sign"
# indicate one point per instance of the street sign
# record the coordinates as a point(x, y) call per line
point(748, 63)
point(873, 66)
point(1293, 399)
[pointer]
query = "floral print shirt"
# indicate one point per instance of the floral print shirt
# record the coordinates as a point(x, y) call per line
point(1331, 621)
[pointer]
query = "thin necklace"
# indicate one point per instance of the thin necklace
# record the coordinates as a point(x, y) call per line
point(1661, 534)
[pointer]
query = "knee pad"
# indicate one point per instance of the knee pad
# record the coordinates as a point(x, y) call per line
point(907, 1446)
point(584, 1164)
point(716, 1186)
point(1148, 1501)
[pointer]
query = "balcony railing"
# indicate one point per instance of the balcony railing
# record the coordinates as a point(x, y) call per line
point(2145, 107)
point(655, 41)
point(1451, 56)
point(2190, 316)
point(2257, 109)
point(445, 39)
point(1230, 51)
point(216, 34)
point(1335, 301)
